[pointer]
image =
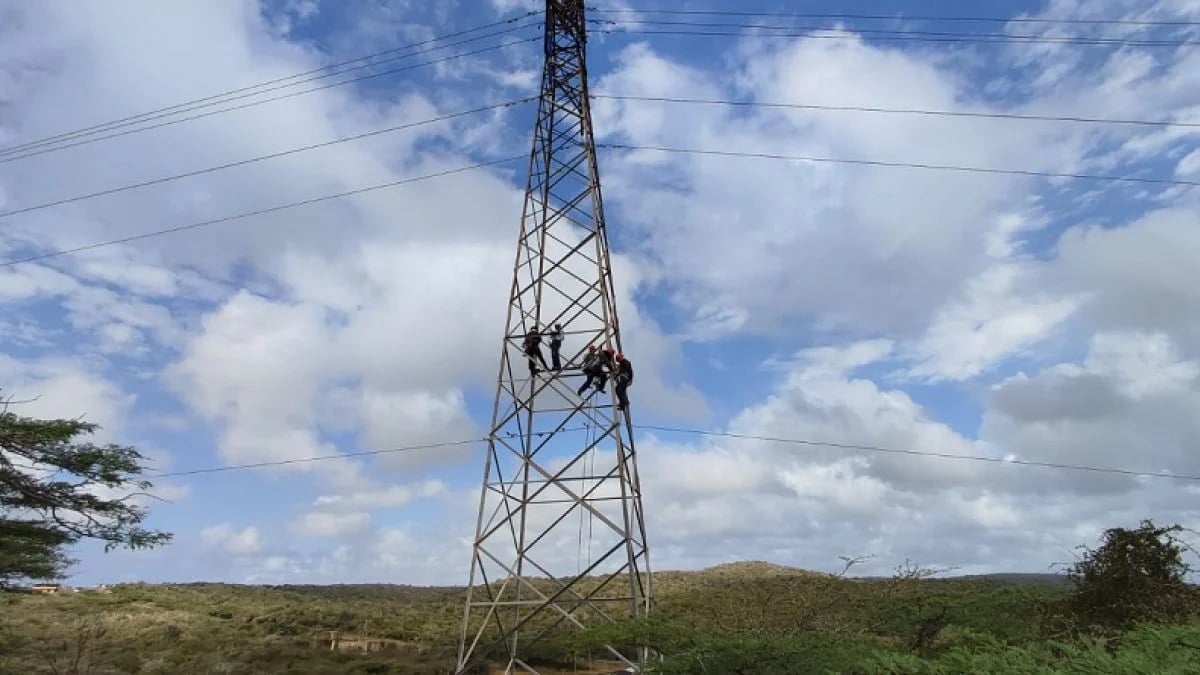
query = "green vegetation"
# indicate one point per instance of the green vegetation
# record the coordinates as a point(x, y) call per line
point(52, 489)
point(739, 618)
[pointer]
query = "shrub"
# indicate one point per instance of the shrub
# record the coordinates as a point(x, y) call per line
point(1136, 575)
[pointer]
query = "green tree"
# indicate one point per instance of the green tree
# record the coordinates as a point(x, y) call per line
point(1135, 575)
point(57, 489)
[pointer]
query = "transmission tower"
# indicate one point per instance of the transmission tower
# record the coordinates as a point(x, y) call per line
point(560, 542)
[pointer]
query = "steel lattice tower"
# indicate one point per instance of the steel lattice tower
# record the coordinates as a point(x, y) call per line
point(560, 476)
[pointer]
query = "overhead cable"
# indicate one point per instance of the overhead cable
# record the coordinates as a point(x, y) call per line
point(86, 140)
point(887, 35)
point(622, 146)
point(344, 455)
point(318, 458)
point(895, 17)
point(104, 126)
point(273, 155)
point(272, 209)
point(905, 111)
point(924, 453)
point(907, 165)
point(719, 434)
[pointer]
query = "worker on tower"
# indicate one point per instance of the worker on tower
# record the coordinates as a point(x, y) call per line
point(623, 378)
point(533, 348)
point(594, 367)
point(609, 365)
point(556, 340)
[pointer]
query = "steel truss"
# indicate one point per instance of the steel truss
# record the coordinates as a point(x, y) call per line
point(561, 468)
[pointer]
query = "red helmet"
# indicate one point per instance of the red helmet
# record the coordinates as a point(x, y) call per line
point(608, 350)
point(620, 357)
point(591, 348)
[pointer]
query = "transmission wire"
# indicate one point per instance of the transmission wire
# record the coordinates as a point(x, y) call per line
point(908, 111)
point(262, 101)
point(621, 146)
point(889, 17)
point(256, 89)
point(281, 207)
point(925, 453)
point(720, 434)
point(908, 165)
point(274, 155)
point(886, 35)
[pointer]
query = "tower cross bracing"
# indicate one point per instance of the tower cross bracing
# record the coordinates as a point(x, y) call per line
point(560, 541)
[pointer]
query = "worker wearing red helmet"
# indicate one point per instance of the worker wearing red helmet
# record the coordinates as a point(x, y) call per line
point(596, 365)
point(623, 378)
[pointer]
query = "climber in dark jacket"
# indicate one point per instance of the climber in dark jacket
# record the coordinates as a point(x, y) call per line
point(593, 367)
point(623, 378)
point(533, 348)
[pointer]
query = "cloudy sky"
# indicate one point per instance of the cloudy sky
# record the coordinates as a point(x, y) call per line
point(958, 313)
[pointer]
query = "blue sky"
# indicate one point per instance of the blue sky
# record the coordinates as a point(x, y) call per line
point(924, 310)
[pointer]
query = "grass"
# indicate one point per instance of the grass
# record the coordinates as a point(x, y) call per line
point(799, 621)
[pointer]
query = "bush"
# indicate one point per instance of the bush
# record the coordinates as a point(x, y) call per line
point(1144, 651)
point(1136, 575)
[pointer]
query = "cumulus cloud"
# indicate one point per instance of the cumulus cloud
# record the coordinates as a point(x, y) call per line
point(226, 537)
point(1132, 403)
point(394, 496)
point(884, 304)
point(325, 524)
point(1134, 277)
point(66, 388)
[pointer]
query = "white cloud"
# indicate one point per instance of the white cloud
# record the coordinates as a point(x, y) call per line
point(324, 524)
point(1134, 277)
point(995, 319)
point(1133, 403)
point(63, 388)
point(391, 497)
point(247, 541)
point(506, 6)
point(371, 322)
point(757, 243)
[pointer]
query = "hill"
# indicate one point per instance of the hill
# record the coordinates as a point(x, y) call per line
point(837, 623)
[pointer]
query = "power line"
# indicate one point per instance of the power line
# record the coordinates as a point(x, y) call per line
point(720, 434)
point(906, 111)
point(893, 35)
point(86, 140)
point(262, 101)
point(318, 458)
point(891, 17)
point(66, 135)
point(343, 455)
point(922, 453)
point(281, 207)
point(274, 155)
point(907, 165)
point(617, 146)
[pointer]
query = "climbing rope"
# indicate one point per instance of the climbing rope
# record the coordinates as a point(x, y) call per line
point(579, 542)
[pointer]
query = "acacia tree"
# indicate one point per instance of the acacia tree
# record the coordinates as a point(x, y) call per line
point(57, 489)
point(1135, 575)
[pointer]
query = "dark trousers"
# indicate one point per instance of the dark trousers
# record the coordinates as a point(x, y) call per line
point(532, 352)
point(554, 358)
point(622, 399)
point(596, 374)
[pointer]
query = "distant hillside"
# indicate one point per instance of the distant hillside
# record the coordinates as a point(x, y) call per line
point(745, 570)
point(835, 624)
point(741, 570)
point(1042, 580)
point(1022, 578)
